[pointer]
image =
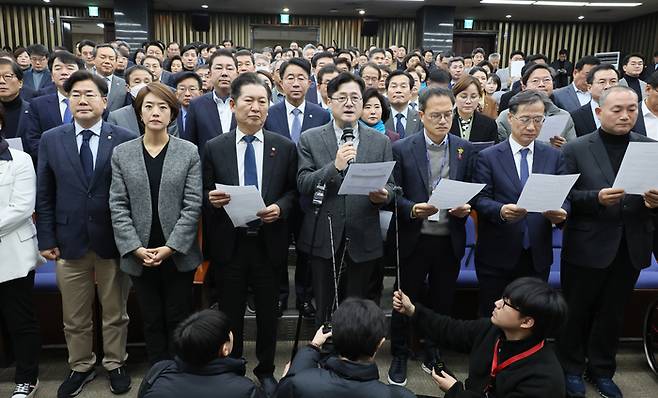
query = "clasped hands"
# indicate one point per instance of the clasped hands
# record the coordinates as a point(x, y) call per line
point(268, 215)
point(153, 257)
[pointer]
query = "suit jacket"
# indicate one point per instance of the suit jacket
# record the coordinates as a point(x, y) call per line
point(353, 216)
point(28, 79)
point(414, 124)
point(43, 115)
point(220, 165)
point(504, 128)
point(583, 120)
point(117, 97)
point(179, 203)
point(20, 127)
point(312, 94)
point(500, 243)
point(483, 129)
point(505, 98)
point(203, 121)
point(167, 78)
point(566, 98)
point(643, 86)
point(27, 93)
point(18, 236)
point(277, 118)
point(72, 214)
point(411, 173)
point(593, 232)
point(127, 118)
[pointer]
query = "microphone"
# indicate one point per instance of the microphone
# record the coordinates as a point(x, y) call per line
point(348, 136)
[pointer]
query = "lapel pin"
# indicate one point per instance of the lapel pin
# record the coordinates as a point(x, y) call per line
point(109, 137)
point(272, 152)
point(310, 116)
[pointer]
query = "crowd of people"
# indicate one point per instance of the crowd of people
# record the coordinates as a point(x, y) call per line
point(113, 159)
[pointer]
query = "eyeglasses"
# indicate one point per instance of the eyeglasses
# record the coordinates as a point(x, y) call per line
point(438, 116)
point(526, 120)
point(343, 99)
point(507, 303)
point(544, 81)
point(192, 90)
point(7, 77)
point(291, 78)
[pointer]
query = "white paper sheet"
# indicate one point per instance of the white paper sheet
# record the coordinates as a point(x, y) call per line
point(638, 172)
point(244, 204)
point(515, 69)
point(543, 192)
point(385, 217)
point(363, 178)
point(449, 194)
point(15, 143)
point(553, 125)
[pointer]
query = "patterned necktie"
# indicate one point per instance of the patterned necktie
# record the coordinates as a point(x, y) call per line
point(68, 116)
point(250, 172)
point(399, 127)
point(525, 173)
point(296, 130)
point(86, 158)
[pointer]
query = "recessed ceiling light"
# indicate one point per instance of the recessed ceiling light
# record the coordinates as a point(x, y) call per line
point(286, 9)
point(508, 16)
point(46, 1)
point(581, 17)
point(333, 10)
point(362, 12)
point(204, 5)
point(509, 2)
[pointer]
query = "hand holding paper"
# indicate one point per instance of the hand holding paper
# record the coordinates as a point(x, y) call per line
point(364, 178)
point(244, 205)
point(637, 173)
point(544, 192)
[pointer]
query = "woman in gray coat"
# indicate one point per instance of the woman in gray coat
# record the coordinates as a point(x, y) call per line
point(155, 199)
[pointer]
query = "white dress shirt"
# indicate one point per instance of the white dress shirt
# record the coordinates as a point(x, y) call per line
point(241, 148)
point(339, 133)
point(650, 121)
point(93, 141)
point(595, 105)
point(583, 96)
point(404, 113)
point(224, 110)
point(516, 151)
point(62, 105)
point(291, 116)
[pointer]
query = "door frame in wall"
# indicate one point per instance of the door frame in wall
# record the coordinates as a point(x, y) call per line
point(491, 34)
point(65, 25)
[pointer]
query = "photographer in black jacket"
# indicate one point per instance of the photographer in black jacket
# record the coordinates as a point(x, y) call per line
point(202, 367)
point(508, 356)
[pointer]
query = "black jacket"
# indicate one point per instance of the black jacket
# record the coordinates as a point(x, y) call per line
point(221, 377)
point(483, 129)
point(337, 378)
point(537, 376)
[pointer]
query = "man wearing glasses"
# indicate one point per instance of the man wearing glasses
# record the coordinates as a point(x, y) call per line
point(513, 243)
point(38, 76)
point(324, 155)
point(188, 87)
point(538, 77)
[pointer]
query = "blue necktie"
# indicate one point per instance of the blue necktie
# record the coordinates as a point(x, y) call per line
point(86, 158)
point(296, 130)
point(525, 173)
point(250, 172)
point(68, 116)
point(399, 127)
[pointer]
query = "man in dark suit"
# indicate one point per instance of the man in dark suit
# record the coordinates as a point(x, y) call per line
point(573, 96)
point(291, 118)
point(428, 248)
point(513, 243)
point(38, 75)
point(188, 87)
point(51, 110)
point(403, 119)
point(250, 255)
point(600, 78)
point(15, 108)
point(324, 155)
point(210, 115)
point(74, 228)
point(606, 243)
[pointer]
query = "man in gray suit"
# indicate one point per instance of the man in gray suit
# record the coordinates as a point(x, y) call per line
point(105, 60)
point(403, 120)
point(324, 155)
point(576, 94)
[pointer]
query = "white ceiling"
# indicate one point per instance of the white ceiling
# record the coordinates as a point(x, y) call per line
point(391, 8)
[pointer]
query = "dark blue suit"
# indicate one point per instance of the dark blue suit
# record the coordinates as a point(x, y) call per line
point(203, 121)
point(423, 255)
point(277, 118)
point(44, 114)
point(28, 79)
point(74, 215)
point(499, 252)
point(312, 94)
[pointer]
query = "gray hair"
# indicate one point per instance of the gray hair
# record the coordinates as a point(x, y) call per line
point(309, 46)
point(615, 89)
point(494, 56)
point(528, 97)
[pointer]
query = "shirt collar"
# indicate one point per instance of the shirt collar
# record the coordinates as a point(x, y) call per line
point(290, 107)
point(96, 128)
point(429, 142)
point(594, 105)
point(578, 90)
point(339, 132)
point(218, 100)
point(61, 97)
point(239, 135)
point(404, 112)
point(516, 147)
point(646, 112)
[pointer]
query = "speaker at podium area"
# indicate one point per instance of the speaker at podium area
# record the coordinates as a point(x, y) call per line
point(370, 27)
point(200, 22)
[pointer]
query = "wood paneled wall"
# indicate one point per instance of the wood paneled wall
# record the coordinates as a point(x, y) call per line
point(548, 38)
point(637, 35)
point(22, 25)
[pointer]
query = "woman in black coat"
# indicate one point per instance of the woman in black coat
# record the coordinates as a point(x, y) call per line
point(468, 123)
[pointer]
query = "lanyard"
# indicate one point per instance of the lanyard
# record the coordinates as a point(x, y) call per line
point(443, 164)
point(496, 368)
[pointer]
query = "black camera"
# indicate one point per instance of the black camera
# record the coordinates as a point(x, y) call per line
point(326, 327)
point(440, 366)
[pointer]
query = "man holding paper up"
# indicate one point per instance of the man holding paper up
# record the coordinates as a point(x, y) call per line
point(428, 247)
point(606, 243)
point(513, 243)
point(324, 156)
point(251, 254)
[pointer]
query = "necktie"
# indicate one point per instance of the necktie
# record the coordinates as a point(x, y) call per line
point(525, 173)
point(413, 105)
point(250, 172)
point(296, 130)
point(68, 116)
point(109, 85)
point(399, 127)
point(86, 158)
